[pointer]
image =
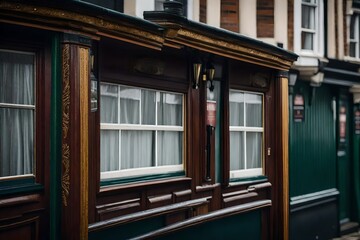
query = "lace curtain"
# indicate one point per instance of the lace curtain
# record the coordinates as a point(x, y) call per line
point(17, 106)
point(138, 137)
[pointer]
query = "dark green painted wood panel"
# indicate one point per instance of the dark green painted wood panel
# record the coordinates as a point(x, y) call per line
point(312, 144)
point(242, 226)
point(130, 230)
point(55, 143)
point(343, 161)
point(356, 171)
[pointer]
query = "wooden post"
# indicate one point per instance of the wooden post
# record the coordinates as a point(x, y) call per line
point(75, 117)
point(282, 126)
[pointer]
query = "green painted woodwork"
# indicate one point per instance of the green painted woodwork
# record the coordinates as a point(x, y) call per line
point(312, 143)
point(250, 179)
point(129, 230)
point(21, 185)
point(144, 178)
point(55, 142)
point(241, 226)
point(343, 162)
point(356, 171)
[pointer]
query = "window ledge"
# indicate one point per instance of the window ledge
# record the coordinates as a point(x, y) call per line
point(352, 59)
point(21, 188)
point(247, 181)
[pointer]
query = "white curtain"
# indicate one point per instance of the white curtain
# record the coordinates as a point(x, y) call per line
point(237, 160)
point(138, 147)
point(248, 105)
point(253, 149)
point(16, 125)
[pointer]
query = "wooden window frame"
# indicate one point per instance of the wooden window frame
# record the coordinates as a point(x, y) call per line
point(42, 69)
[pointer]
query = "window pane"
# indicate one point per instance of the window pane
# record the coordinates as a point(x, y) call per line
point(308, 17)
point(169, 109)
point(137, 149)
point(109, 150)
point(169, 147)
point(352, 49)
point(352, 27)
point(236, 108)
point(307, 40)
point(16, 78)
point(237, 151)
point(148, 107)
point(16, 142)
point(109, 103)
point(130, 105)
point(253, 110)
point(253, 150)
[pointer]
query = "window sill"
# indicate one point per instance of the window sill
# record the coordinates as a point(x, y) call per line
point(352, 59)
point(248, 180)
point(140, 179)
point(16, 186)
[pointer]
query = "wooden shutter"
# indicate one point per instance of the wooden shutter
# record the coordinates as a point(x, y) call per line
point(229, 18)
point(265, 18)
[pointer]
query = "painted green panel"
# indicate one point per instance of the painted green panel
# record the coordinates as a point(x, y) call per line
point(312, 144)
point(356, 171)
point(129, 230)
point(55, 143)
point(344, 174)
point(241, 226)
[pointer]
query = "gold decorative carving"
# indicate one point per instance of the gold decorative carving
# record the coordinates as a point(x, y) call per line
point(65, 179)
point(66, 90)
point(94, 25)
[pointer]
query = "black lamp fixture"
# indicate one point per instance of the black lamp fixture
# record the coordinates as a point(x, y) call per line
point(292, 80)
point(207, 73)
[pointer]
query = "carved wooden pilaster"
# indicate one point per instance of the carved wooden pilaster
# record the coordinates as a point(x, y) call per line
point(75, 117)
point(282, 152)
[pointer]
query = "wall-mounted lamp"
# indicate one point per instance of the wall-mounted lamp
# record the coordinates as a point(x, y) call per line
point(292, 81)
point(207, 73)
point(196, 72)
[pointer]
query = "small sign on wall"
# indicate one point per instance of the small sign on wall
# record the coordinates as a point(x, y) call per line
point(299, 108)
point(342, 124)
point(357, 120)
point(211, 113)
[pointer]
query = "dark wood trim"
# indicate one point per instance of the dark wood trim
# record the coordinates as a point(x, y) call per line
point(147, 214)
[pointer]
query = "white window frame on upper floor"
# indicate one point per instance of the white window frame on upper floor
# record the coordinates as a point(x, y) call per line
point(356, 38)
point(309, 57)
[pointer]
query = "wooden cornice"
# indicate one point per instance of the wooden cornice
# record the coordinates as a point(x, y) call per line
point(91, 21)
point(183, 32)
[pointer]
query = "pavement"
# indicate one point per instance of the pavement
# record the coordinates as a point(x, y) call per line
point(351, 236)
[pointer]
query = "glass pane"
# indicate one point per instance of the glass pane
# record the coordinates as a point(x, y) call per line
point(109, 150)
point(237, 151)
point(137, 149)
point(308, 17)
point(307, 41)
point(352, 50)
point(169, 109)
point(253, 110)
point(236, 108)
point(169, 148)
point(16, 78)
point(16, 142)
point(253, 150)
point(352, 27)
point(148, 107)
point(130, 105)
point(109, 103)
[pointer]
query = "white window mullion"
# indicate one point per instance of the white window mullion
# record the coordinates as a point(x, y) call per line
point(245, 162)
point(156, 147)
point(120, 140)
point(157, 96)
